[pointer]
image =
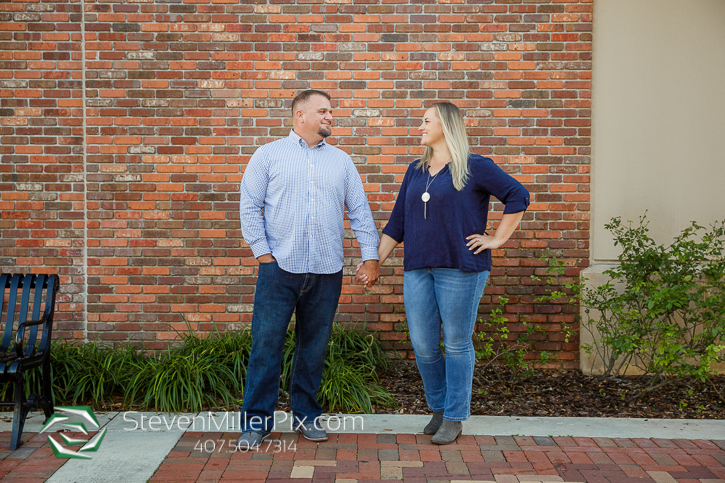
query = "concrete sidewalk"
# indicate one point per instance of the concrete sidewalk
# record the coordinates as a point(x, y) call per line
point(140, 447)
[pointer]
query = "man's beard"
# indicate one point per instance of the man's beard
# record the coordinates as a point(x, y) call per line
point(324, 131)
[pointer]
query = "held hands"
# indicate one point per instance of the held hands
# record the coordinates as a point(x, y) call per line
point(368, 273)
point(482, 242)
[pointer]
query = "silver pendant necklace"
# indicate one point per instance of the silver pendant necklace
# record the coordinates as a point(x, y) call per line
point(426, 196)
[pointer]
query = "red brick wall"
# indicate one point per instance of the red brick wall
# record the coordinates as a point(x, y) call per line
point(179, 95)
point(41, 149)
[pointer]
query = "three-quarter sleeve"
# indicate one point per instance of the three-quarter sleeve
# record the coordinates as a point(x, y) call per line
point(395, 228)
point(488, 176)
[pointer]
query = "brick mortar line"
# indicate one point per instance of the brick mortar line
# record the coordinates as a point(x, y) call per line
point(85, 172)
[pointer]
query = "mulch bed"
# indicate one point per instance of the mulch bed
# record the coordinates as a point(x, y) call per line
point(500, 392)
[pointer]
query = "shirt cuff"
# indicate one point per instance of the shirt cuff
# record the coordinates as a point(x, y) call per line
point(260, 248)
point(515, 207)
point(369, 253)
point(392, 234)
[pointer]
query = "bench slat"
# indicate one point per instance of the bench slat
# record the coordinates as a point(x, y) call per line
point(26, 283)
point(4, 285)
point(10, 319)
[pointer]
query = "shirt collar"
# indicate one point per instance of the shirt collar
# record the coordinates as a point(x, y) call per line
point(295, 138)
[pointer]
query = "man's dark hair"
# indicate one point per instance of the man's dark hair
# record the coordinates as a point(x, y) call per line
point(304, 95)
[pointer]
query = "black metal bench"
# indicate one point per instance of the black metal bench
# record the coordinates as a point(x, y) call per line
point(31, 346)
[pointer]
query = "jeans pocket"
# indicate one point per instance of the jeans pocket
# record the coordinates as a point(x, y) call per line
point(267, 273)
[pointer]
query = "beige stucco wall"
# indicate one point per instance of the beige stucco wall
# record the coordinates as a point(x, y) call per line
point(658, 116)
point(658, 120)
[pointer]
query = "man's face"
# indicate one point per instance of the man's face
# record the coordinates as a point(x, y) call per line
point(316, 116)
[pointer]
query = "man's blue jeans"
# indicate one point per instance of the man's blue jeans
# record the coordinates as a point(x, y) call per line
point(279, 294)
point(444, 298)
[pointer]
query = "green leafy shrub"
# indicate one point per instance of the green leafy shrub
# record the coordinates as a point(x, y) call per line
point(492, 343)
point(669, 319)
point(663, 311)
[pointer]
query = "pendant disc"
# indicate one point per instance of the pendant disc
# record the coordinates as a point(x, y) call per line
point(425, 197)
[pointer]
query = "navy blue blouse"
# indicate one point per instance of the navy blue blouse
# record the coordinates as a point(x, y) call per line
point(439, 241)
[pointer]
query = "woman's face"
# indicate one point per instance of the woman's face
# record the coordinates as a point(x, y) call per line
point(430, 129)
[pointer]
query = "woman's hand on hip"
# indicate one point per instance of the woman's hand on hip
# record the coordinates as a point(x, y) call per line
point(482, 242)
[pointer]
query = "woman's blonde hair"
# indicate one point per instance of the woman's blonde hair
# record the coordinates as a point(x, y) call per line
point(454, 132)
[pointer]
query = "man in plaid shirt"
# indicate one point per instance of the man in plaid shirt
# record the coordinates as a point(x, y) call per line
point(292, 206)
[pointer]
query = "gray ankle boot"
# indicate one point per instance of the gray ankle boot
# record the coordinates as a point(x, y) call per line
point(434, 424)
point(448, 432)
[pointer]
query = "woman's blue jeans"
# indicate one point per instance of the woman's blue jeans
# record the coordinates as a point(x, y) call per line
point(447, 299)
point(279, 293)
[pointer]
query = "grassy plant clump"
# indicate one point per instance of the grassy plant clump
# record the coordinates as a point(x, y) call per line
point(200, 372)
point(173, 383)
point(92, 372)
point(358, 347)
point(204, 372)
point(347, 388)
point(354, 359)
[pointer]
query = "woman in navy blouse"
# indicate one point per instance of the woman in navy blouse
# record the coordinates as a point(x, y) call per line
point(441, 214)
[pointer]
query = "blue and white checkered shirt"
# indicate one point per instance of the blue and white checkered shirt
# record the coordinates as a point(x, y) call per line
point(292, 205)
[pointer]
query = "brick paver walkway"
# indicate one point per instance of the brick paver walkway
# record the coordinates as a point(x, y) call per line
point(32, 462)
point(348, 458)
